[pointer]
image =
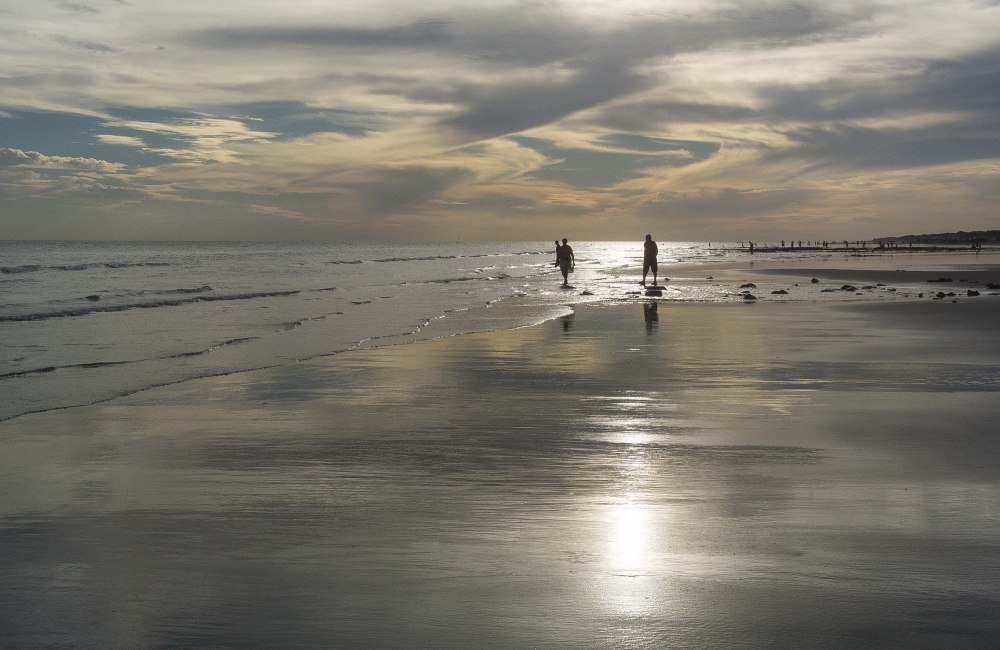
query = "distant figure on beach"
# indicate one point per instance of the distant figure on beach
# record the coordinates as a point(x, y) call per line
point(751, 248)
point(566, 260)
point(557, 252)
point(649, 251)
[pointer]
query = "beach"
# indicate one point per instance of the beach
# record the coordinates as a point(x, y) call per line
point(633, 474)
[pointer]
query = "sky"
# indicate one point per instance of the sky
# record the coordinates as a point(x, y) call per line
point(491, 120)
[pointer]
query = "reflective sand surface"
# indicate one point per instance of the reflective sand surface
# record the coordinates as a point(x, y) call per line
point(771, 475)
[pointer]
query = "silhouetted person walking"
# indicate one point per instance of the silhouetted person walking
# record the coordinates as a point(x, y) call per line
point(649, 251)
point(566, 260)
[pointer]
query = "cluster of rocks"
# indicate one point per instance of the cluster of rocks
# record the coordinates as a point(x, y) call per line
point(851, 288)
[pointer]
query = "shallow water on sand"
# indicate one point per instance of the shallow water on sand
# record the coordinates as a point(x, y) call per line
point(84, 321)
point(635, 476)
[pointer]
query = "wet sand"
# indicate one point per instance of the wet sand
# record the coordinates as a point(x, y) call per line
point(781, 475)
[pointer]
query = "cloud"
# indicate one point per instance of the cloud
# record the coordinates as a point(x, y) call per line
point(398, 191)
point(516, 107)
point(576, 64)
point(79, 7)
point(615, 158)
point(514, 113)
point(204, 139)
point(724, 203)
point(32, 159)
point(86, 45)
point(421, 34)
point(125, 140)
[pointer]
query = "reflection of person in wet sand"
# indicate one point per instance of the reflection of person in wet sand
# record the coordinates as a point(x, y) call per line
point(651, 316)
point(566, 259)
point(649, 251)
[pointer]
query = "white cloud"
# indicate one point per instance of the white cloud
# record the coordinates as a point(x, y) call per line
point(32, 159)
point(127, 140)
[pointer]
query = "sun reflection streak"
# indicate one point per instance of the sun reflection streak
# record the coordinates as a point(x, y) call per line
point(630, 537)
point(632, 525)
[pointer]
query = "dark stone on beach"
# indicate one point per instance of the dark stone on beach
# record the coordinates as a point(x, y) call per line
point(666, 279)
point(749, 296)
point(870, 286)
point(814, 281)
point(780, 291)
point(654, 292)
point(962, 280)
point(828, 290)
point(587, 293)
point(940, 294)
point(93, 297)
point(709, 278)
point(941, 280)
point(880, 284)
point(972, 292)
point(951, 293)
point(993, 285)
point(920, 295)
point(748, 285)
point(848, 287)
point(890, 289)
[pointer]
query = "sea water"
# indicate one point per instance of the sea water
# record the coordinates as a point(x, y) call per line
point(82, 322)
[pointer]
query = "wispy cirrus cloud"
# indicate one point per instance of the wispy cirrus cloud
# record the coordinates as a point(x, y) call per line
point(201, 139)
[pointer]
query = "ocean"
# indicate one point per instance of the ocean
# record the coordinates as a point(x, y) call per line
point(82, 322)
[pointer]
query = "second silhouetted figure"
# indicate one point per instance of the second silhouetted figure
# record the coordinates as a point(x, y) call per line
point(649, 251)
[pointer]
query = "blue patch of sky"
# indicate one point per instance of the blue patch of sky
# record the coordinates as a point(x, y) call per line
point(594, 167)
point(72, 135)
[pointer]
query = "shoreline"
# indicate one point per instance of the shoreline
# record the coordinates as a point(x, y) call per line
point(725, 278)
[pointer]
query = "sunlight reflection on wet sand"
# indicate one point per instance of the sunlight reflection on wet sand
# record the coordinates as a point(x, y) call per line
point(731, 478)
